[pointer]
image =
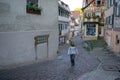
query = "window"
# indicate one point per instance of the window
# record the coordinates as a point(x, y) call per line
point(118, 9)
point(107, 1)
point(98, 2)
point(98, 14)
point(66, 26)
point(63, 13)
point(99, 30)
point(106, 20)
point(60, 27)
point(32, 7)
point(117, 40)
point(91, 30)
point(111, 19)
point(41, 39)
point(59, 12)
point(32, 2)
point(112, 2)
point(89, 14)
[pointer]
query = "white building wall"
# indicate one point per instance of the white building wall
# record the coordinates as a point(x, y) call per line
point(18, 29)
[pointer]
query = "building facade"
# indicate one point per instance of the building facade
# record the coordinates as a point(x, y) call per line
point(93, 20)
point(63, 21)
point(77, 23)
point(72, 27)
point(28, 31)
point(112, 24)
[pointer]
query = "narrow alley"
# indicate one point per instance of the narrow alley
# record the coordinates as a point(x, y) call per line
point(58, 69)
point(35, 36)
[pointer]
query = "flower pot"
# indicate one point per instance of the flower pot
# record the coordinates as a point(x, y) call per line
point(34, 12)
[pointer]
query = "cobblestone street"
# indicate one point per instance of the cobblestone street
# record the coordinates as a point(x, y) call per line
point(57, 69)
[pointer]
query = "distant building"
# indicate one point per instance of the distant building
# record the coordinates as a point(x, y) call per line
point(112, 24)
point(63, 21)
point(28, 31)
point(93, 19)
point(77, 22)
point(72, 27)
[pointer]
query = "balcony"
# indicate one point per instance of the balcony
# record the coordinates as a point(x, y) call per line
point(64, 19)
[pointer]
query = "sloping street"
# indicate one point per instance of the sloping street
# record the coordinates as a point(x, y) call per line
point(108, 68)
point(38, 39)
point(58, 69)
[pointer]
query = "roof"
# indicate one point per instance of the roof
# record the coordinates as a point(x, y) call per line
point(88, 4)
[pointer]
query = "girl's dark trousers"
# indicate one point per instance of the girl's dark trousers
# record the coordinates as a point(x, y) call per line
point(72, 59)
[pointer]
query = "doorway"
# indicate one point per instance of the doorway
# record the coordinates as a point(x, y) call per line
point(41, 47)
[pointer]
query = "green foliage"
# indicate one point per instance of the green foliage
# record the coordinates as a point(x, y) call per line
point(79, 9)
point(88, 17)
point(94, 17)
point(87, 48)
point(95, 43)
point(98, 17)
point(105, 45)
point(31, 6)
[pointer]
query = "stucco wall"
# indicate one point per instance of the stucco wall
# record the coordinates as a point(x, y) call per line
point(18, 29)
point(112, 35)
point(109, 35)
point(13, 16)
point(116, 46)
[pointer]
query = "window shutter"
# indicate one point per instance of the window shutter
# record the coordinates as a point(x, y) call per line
point(115, 9)
point(119, 10)
point(112, 19)
point(106, 20)
point(107, 4)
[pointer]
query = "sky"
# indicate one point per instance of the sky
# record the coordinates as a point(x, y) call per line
point(73, 3)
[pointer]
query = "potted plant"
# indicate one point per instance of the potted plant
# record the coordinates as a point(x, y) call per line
point(94, 17)
point(88, 17)
point(33, 8)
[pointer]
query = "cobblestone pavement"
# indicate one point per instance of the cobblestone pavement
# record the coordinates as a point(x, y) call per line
point(58, 69)
point(108, 68)
point(109, 61)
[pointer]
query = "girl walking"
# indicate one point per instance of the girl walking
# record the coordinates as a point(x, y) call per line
point(72, 51)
